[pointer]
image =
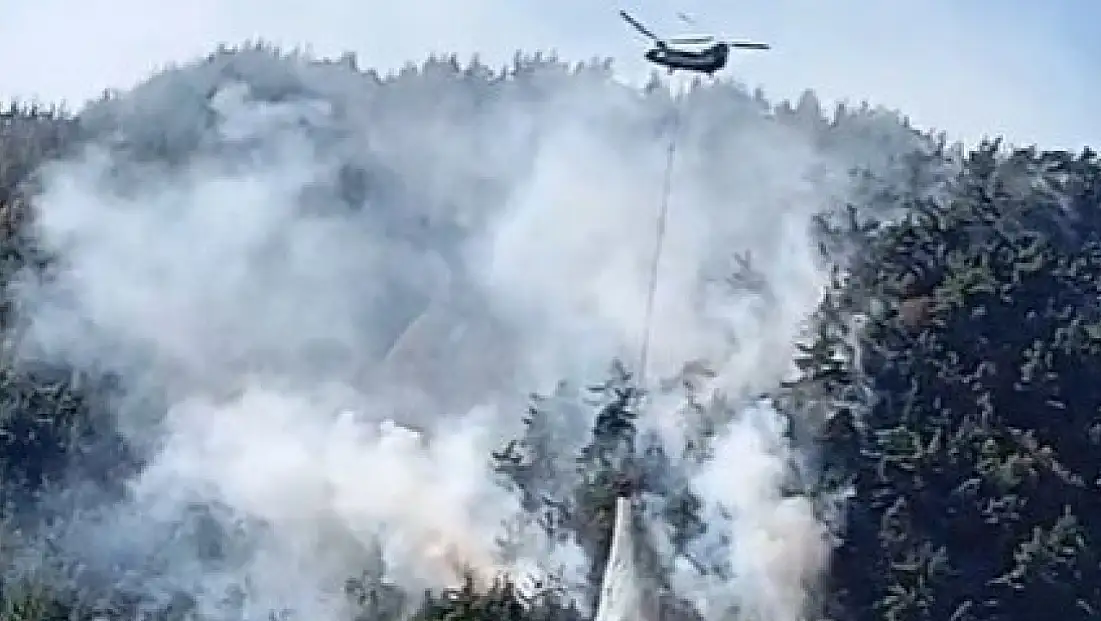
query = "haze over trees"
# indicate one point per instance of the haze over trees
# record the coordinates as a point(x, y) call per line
point(288, 339)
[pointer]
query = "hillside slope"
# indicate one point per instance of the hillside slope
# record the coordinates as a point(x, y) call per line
point(870, 392)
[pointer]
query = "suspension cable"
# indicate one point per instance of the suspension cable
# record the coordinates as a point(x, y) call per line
point(659, 242)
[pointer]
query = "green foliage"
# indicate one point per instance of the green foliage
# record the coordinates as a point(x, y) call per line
point(605, 467)
point(501, 601)
point(976, 479)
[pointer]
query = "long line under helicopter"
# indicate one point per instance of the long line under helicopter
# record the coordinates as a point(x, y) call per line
point(708, 61)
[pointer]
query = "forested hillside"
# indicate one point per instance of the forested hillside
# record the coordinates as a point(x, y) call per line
point(290, 339)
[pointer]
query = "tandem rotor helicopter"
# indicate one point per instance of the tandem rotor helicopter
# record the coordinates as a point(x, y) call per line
point(707, 60)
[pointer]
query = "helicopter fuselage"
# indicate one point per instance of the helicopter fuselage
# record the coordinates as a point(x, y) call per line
point(707, 60)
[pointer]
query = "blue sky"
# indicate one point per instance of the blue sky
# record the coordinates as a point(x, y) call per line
point(970, 67)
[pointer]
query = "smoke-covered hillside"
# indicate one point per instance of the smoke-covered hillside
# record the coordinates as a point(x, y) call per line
point(274, 326)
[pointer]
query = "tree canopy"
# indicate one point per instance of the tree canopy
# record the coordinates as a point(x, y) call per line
point(945, 385)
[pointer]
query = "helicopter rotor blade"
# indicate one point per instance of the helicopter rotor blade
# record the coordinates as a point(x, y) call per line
point(748, 45)
point(690, 40)
point(637, 26)
point(686, 19)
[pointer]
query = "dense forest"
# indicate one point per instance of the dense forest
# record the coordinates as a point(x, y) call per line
point(918, 440)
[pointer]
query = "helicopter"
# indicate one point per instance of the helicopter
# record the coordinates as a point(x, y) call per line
point(707, 60)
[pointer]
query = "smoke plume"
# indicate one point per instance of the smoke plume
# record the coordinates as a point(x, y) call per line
point(277, 257)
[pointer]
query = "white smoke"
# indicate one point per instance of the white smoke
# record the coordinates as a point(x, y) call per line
point(778, 544)
point(240, 288)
